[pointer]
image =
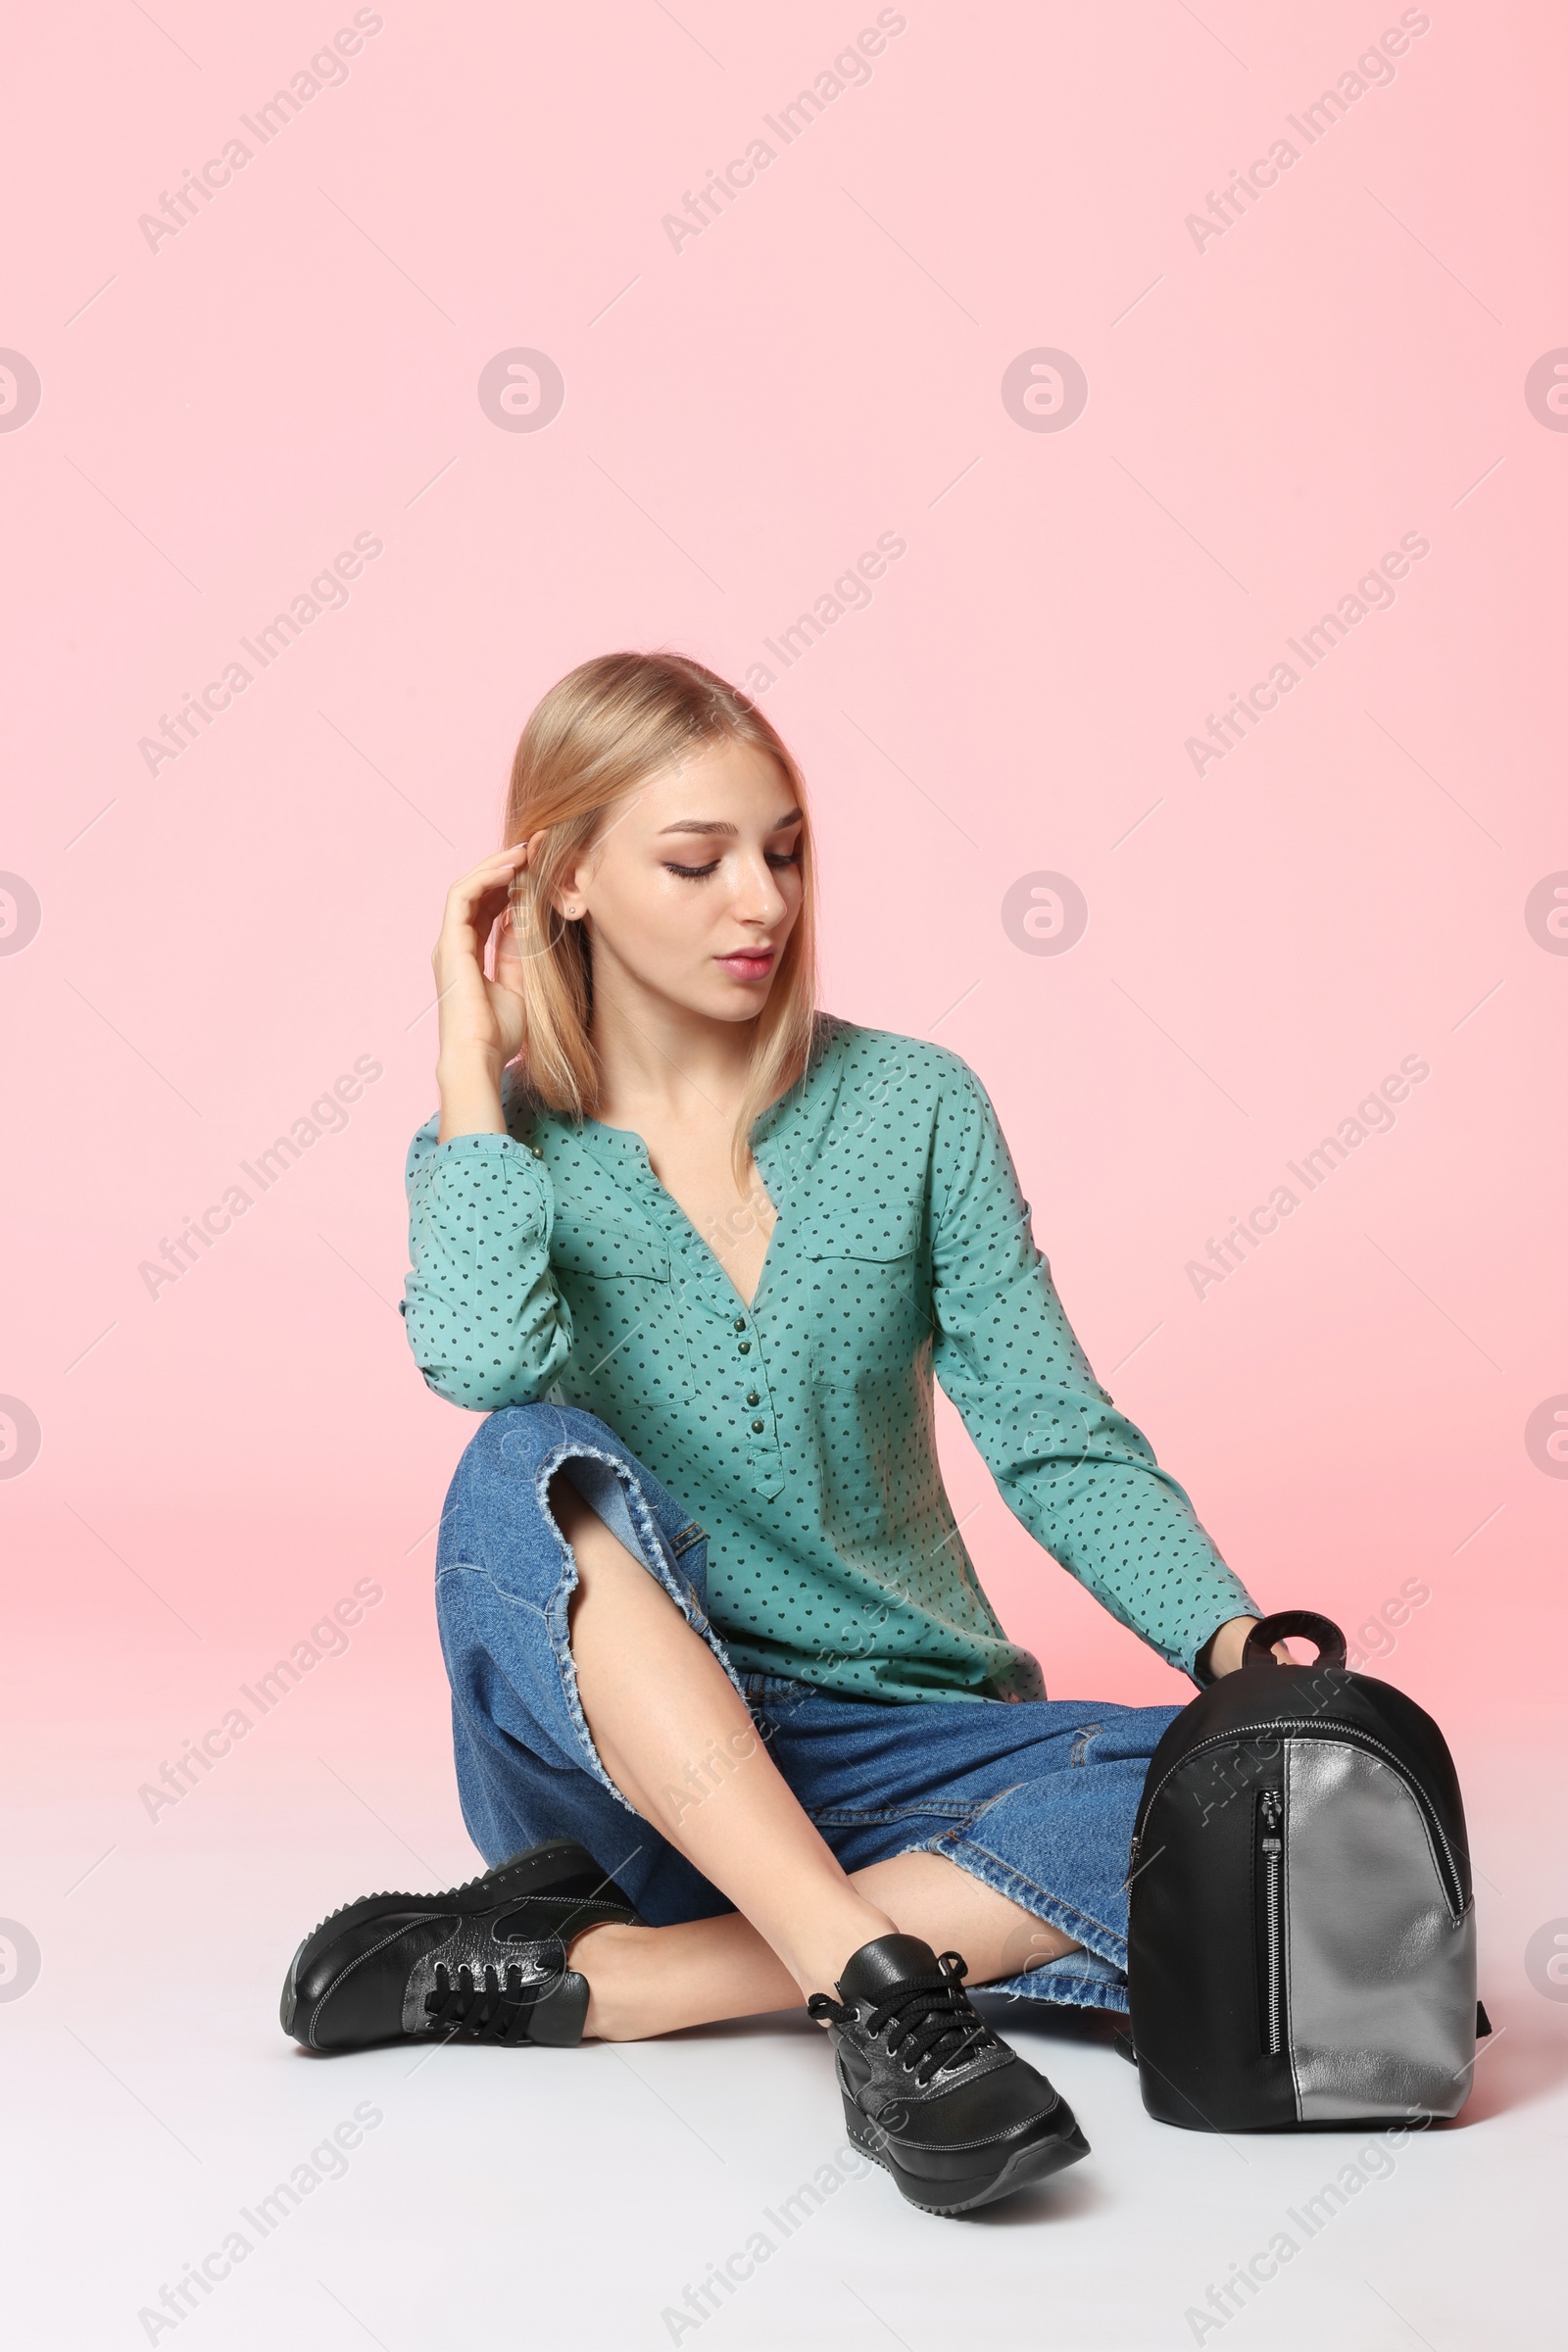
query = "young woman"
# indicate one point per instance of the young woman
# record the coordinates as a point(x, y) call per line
point(735, 1724)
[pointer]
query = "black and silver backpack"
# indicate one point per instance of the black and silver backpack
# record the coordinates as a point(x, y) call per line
point(1301, 1948)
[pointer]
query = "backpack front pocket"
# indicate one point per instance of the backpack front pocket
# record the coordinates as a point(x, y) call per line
point(1379, 1966)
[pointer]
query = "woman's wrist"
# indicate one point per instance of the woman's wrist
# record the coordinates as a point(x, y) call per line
point(469, 1080)
point(1221, 1653)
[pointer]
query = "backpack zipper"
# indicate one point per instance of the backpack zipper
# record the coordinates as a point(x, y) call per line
point(1271, 1872)
point(1353, 1737)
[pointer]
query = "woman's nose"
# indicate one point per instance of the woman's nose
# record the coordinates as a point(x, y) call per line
point(758, 898)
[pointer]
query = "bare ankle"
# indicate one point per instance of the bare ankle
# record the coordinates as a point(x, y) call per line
point(613, 1956)
point(819, 1958)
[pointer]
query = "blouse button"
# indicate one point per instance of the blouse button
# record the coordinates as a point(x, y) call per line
point(740, 1322)
point(745, 1346)
point(752, 1398)
point(757, 1429)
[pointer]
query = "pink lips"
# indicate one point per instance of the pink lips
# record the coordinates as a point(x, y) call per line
point(744, 966)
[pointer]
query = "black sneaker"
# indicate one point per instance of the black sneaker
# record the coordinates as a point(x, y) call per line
point(930, 2092)
point(485, 1962)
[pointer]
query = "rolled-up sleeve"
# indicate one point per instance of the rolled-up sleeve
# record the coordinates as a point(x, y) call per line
point(1079, 1475)
point(485, 1321)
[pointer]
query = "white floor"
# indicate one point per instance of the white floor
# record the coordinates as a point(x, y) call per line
point(572, 2198)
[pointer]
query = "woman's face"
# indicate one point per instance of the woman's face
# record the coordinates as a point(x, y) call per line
point(693, 885)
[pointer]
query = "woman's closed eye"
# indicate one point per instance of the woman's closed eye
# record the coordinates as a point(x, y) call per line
point(699, 873)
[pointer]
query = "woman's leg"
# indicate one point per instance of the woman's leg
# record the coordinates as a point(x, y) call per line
point(677, 1740)
point(675, 1737)
point(648, 1981)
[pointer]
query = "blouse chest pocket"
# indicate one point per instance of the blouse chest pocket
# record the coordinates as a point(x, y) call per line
point(608, 1251)
point(866, 1295)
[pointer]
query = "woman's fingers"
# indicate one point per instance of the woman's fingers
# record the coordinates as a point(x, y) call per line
point(476, 1010)
point(475, 899)
point(486, 880)
point(509, 958)
point(491, 877)
point(509, 952)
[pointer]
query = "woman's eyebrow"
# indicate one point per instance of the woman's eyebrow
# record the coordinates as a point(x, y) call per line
point(720, 826)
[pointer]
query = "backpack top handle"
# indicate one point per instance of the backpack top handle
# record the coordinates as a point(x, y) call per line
point(1259, 1649)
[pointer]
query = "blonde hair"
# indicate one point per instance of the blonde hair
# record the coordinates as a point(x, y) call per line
point(602, 729)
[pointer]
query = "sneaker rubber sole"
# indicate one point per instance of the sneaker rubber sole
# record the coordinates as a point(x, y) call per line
point(1034, 2162)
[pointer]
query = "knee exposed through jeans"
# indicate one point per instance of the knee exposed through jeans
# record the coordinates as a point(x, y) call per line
point(1048, 1788)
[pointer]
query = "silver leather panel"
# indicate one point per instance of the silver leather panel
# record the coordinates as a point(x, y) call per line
point(541, 1967)
point(1379, 1977)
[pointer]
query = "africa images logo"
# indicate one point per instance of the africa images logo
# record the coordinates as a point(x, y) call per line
point(1045, 390)
point(21, 914)
point(1044, 913)
point(20, 390)
point(1546, 391)
point(521, 391)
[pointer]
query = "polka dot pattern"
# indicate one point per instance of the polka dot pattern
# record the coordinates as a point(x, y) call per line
point(550, 1262)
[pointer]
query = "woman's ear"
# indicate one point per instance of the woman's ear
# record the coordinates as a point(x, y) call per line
point(568, 894)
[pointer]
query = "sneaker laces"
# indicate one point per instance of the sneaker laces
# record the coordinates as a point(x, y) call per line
point(487, 2012)
point(929, 2021)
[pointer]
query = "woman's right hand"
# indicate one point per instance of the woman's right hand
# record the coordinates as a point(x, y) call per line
point(483, 1025)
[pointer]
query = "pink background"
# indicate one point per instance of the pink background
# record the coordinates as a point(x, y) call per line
point(219, 940)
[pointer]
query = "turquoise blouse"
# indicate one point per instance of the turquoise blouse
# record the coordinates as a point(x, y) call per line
point(551, 1263)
